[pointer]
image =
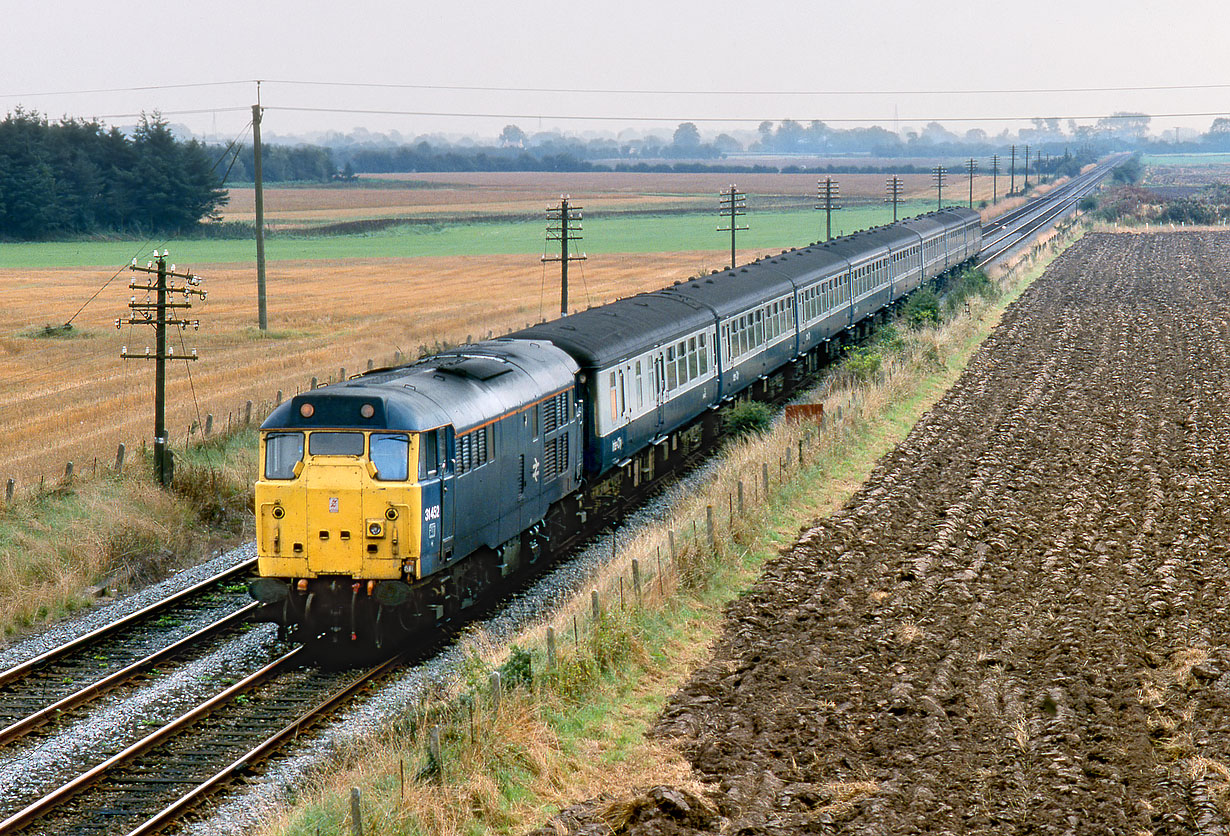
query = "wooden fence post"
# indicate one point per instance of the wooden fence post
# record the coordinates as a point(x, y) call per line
point(636, 579)
point(68, 472)
point(356, 814)
point(550, 648)
point(119, 459)
point(709, 527)
point(496, 691)
point(209, 424)
point(764, 475)
point(9, 487)
point(278, 399)
point(740, 497)
point(247, 414)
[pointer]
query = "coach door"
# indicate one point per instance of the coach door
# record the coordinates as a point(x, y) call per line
point(659, 390)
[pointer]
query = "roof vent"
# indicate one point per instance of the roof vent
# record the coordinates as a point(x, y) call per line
point(475, 368)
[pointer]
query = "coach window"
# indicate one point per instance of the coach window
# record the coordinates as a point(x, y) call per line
point(672, 373)
point(704, 354)
point(614, 403)
point(282, 452)
point(390, 454)
point(693, 359)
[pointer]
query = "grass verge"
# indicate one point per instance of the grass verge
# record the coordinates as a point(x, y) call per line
point(67, 543)
point(580, 690)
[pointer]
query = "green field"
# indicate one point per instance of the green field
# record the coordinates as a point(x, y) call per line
point(1186, 159)
point(602, 234)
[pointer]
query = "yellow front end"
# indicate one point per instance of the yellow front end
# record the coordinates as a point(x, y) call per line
point(337, 513)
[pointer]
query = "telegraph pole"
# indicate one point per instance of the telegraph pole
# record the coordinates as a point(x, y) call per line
point(828, 192)
point(1012, 175)
point(160, 313)
point(971, 167)
point(893, 187)
point(567, 220)
point(261, 314)
point(732, 204)
point(1026, 186)
point(937, 175)
point(994, 178)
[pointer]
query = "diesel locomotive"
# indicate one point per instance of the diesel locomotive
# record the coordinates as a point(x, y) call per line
point(395, 499)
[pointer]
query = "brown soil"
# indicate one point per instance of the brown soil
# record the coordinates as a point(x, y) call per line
point(1020, 623)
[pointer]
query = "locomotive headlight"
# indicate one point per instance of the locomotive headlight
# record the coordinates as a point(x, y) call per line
point(307, 410)
point(367, 410)
point(375, 528)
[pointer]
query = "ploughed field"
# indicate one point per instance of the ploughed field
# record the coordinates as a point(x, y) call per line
point(1021, 624)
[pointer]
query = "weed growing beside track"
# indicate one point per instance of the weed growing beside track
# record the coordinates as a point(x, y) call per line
point(571, 725)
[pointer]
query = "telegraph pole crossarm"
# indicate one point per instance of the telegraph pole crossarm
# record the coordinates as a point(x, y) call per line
point(731, 204)
point(564, 225)
point(894, 188)
point(164, 285)
point(828, 192)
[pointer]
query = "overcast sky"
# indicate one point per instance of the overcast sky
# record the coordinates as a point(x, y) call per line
point(716, 60)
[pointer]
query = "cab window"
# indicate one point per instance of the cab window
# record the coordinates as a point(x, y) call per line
point(390, 453)
point(335, 444)
point(282, 452)
point(429, 459)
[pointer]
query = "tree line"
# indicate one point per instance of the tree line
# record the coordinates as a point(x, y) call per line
point(77, 176)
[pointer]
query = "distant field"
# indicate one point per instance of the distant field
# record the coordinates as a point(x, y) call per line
point(603, 234)
point(1186, 159)
point(474, 195)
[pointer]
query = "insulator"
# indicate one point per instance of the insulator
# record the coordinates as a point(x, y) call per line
point(194, 352)
point(117, 325)
point(147, 351)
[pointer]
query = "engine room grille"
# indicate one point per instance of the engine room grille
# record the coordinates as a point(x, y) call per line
point(555, 412)
point(555, 457)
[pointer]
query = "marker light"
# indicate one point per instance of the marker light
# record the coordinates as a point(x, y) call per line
point(367, 410)
point(307, 410)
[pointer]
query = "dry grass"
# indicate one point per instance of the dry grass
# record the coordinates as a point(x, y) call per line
point(52, 547)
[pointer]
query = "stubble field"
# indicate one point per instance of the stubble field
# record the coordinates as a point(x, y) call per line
point(76, 399)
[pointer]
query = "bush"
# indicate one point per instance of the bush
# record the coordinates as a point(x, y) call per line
point(922, 308)
point(862, 363)
point(744, 419)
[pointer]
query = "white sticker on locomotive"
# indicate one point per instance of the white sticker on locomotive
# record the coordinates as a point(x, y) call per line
point(432, 513)
point(334, 506)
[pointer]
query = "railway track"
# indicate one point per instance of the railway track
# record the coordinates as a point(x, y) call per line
point(156, 779)
point(1015, 228)
point(50, 684)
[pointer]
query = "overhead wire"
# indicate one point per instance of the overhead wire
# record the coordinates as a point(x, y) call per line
point(631, 91)
point(731, 119)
